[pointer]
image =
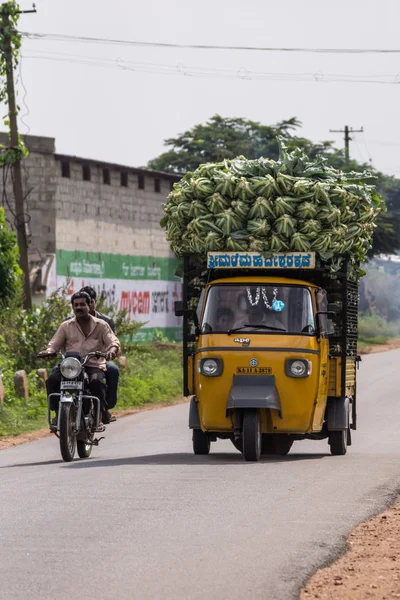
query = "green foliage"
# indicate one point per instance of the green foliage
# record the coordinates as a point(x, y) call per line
point(222, 138)
point(375, 326)
point(27, 333)
point(153, 375)
point(160, 338)
point(10, 273)
point(20, 415)
point(374, 341)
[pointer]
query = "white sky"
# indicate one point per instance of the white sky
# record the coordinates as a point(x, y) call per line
point(123, 116)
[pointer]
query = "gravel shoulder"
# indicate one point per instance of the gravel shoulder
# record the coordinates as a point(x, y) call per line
point(370, 566)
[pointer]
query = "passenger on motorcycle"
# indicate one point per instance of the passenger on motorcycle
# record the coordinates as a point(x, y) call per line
point(84, 333)
point(112, 370)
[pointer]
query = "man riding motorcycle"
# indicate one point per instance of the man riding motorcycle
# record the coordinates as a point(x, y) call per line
point(112, 370)
point(84, 333)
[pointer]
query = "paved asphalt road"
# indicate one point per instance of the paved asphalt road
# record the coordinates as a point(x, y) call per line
point(146, 519)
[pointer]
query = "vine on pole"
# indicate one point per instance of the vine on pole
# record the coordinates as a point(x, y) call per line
point(9, 38)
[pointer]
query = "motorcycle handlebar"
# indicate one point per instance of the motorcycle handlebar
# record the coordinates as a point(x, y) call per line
point(44, 355)
point(96, 354)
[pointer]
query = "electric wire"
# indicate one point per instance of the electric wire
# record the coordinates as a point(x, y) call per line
point(95, 40)
point(180, 69)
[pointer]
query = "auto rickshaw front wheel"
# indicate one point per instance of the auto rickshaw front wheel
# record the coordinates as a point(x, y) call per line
point(201, 442)
point(252, 437)
point(338, 442)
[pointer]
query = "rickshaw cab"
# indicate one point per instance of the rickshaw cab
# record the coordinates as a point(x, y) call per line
point(270, 352)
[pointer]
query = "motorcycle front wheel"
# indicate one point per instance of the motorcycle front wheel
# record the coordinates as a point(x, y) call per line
point(67, 435)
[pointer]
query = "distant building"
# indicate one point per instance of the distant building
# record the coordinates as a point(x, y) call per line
point(97, 223)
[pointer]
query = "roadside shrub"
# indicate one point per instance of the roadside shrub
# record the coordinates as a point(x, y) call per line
point(375, 326)
point(10, 273)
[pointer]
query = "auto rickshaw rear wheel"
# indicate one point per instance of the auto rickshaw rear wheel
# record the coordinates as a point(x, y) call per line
point(338, 442)
point(201, 442)
point(252, 434)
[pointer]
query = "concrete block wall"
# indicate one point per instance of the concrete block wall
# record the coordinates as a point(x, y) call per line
point(96, 216)
point(70, 213)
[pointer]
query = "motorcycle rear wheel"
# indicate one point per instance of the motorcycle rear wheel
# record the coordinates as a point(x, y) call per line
point(67, 437)
point(84, 450)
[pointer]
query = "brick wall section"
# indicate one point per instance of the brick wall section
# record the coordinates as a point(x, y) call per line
point(70, 213)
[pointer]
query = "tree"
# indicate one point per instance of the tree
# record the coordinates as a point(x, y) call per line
point(221, 138)
point(10, 273)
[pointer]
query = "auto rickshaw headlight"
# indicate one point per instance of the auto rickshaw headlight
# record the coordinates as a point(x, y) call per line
point(211, 367)
point(298, 367)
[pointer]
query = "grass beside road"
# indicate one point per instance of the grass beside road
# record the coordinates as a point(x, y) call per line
point(372, 341)
point(153, 374)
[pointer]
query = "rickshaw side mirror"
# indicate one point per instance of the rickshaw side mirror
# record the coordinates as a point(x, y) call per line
point(180, 311)
point(178, 308)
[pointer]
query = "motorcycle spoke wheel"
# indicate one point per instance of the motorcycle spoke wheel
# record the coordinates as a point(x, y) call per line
point(67, 436)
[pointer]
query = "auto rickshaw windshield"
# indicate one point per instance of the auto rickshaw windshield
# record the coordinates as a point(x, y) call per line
point(258, 309)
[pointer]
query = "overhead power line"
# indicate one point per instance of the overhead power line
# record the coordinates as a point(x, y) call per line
point(94, 40)
point(209, 72)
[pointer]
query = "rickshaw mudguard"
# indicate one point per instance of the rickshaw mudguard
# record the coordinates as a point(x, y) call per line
point(253, 391)
point(338, 414)
point(194, 418)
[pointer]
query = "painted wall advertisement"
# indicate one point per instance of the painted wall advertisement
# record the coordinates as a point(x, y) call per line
point(146, 287)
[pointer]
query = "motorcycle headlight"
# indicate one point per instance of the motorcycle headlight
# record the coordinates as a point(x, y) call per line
point(298, 367)
point(211, 367)
point(70, 368)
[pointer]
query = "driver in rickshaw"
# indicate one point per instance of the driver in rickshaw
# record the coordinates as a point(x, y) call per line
point(225, 317)
point(257, 314)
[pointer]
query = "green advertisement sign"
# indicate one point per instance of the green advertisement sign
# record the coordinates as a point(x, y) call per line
point(114, 266)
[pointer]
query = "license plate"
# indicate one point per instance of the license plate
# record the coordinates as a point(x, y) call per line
point(254, 370)
point(71, 385)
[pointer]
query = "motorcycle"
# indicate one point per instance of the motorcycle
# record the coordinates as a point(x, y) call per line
point(79, 412)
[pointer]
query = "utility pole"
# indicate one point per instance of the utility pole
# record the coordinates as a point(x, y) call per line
point(347, 140)
point(17, 174)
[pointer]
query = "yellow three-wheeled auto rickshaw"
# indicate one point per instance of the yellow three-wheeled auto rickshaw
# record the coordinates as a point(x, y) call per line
point(270, 353)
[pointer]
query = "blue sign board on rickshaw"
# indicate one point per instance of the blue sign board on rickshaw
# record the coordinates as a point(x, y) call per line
point(256, 260)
